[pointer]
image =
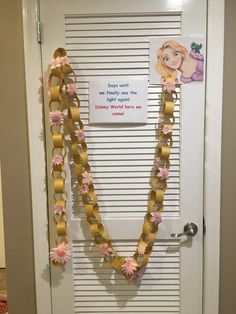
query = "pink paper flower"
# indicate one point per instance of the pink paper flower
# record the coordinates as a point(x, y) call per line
point(167, 129)
point(84, 189)
point(161, 118)
point(141, 249)
point(169, 86)
point(163, 173)
point(130, 266)
point(105, 250)
point(157, 161)
point(61, 254)
point(156, 217)
point(71, 88)
point(55, 63)
point(87, 178)
point(80, 135)
point(64, 60)
point(58, 62)
point(57, 160)
point(56, 117)
point(59, 209)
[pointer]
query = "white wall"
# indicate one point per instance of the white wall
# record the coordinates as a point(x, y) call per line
point(16, 189)
point(2, 247)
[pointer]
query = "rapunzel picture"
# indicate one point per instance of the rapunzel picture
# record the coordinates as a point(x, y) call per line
point(181, 60)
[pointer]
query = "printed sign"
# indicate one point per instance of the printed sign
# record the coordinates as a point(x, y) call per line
point(118, 101)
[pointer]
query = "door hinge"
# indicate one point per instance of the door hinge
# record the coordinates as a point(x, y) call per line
point(204, 226)
point(39, 33)
point(38, 23)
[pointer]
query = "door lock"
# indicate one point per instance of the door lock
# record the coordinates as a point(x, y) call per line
point(190, 230)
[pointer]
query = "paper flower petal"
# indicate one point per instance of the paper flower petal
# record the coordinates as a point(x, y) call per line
point(59, 209)
point(80, 135)
point(61, 254)
point(64, 60)
point(105, 250)
point(84, 189)
point(157, 161)
point(55, 63)
point(71, 89)
point(129, 267)
point(56, 117)
point(155, 217)
point(161, 118)
point(163, 174)
point(87, 178)
point(167, 129)
point(169, 86)
point(141, 249)
point(58, 62)
point(57, 160)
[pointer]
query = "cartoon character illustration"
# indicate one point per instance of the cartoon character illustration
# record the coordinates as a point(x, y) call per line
point(173, 57)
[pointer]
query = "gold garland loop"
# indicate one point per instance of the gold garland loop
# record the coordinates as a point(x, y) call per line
point(64, 97)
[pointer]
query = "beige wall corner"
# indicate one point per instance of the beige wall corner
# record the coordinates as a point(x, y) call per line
point(228, 183)
point(2, 244)
point(15, 163)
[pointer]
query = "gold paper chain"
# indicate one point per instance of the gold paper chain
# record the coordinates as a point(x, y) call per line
point(60, 100)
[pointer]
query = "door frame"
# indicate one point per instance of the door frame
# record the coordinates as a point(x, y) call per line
point(212, 171)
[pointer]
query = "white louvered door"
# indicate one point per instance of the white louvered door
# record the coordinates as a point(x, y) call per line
point(106, 38)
